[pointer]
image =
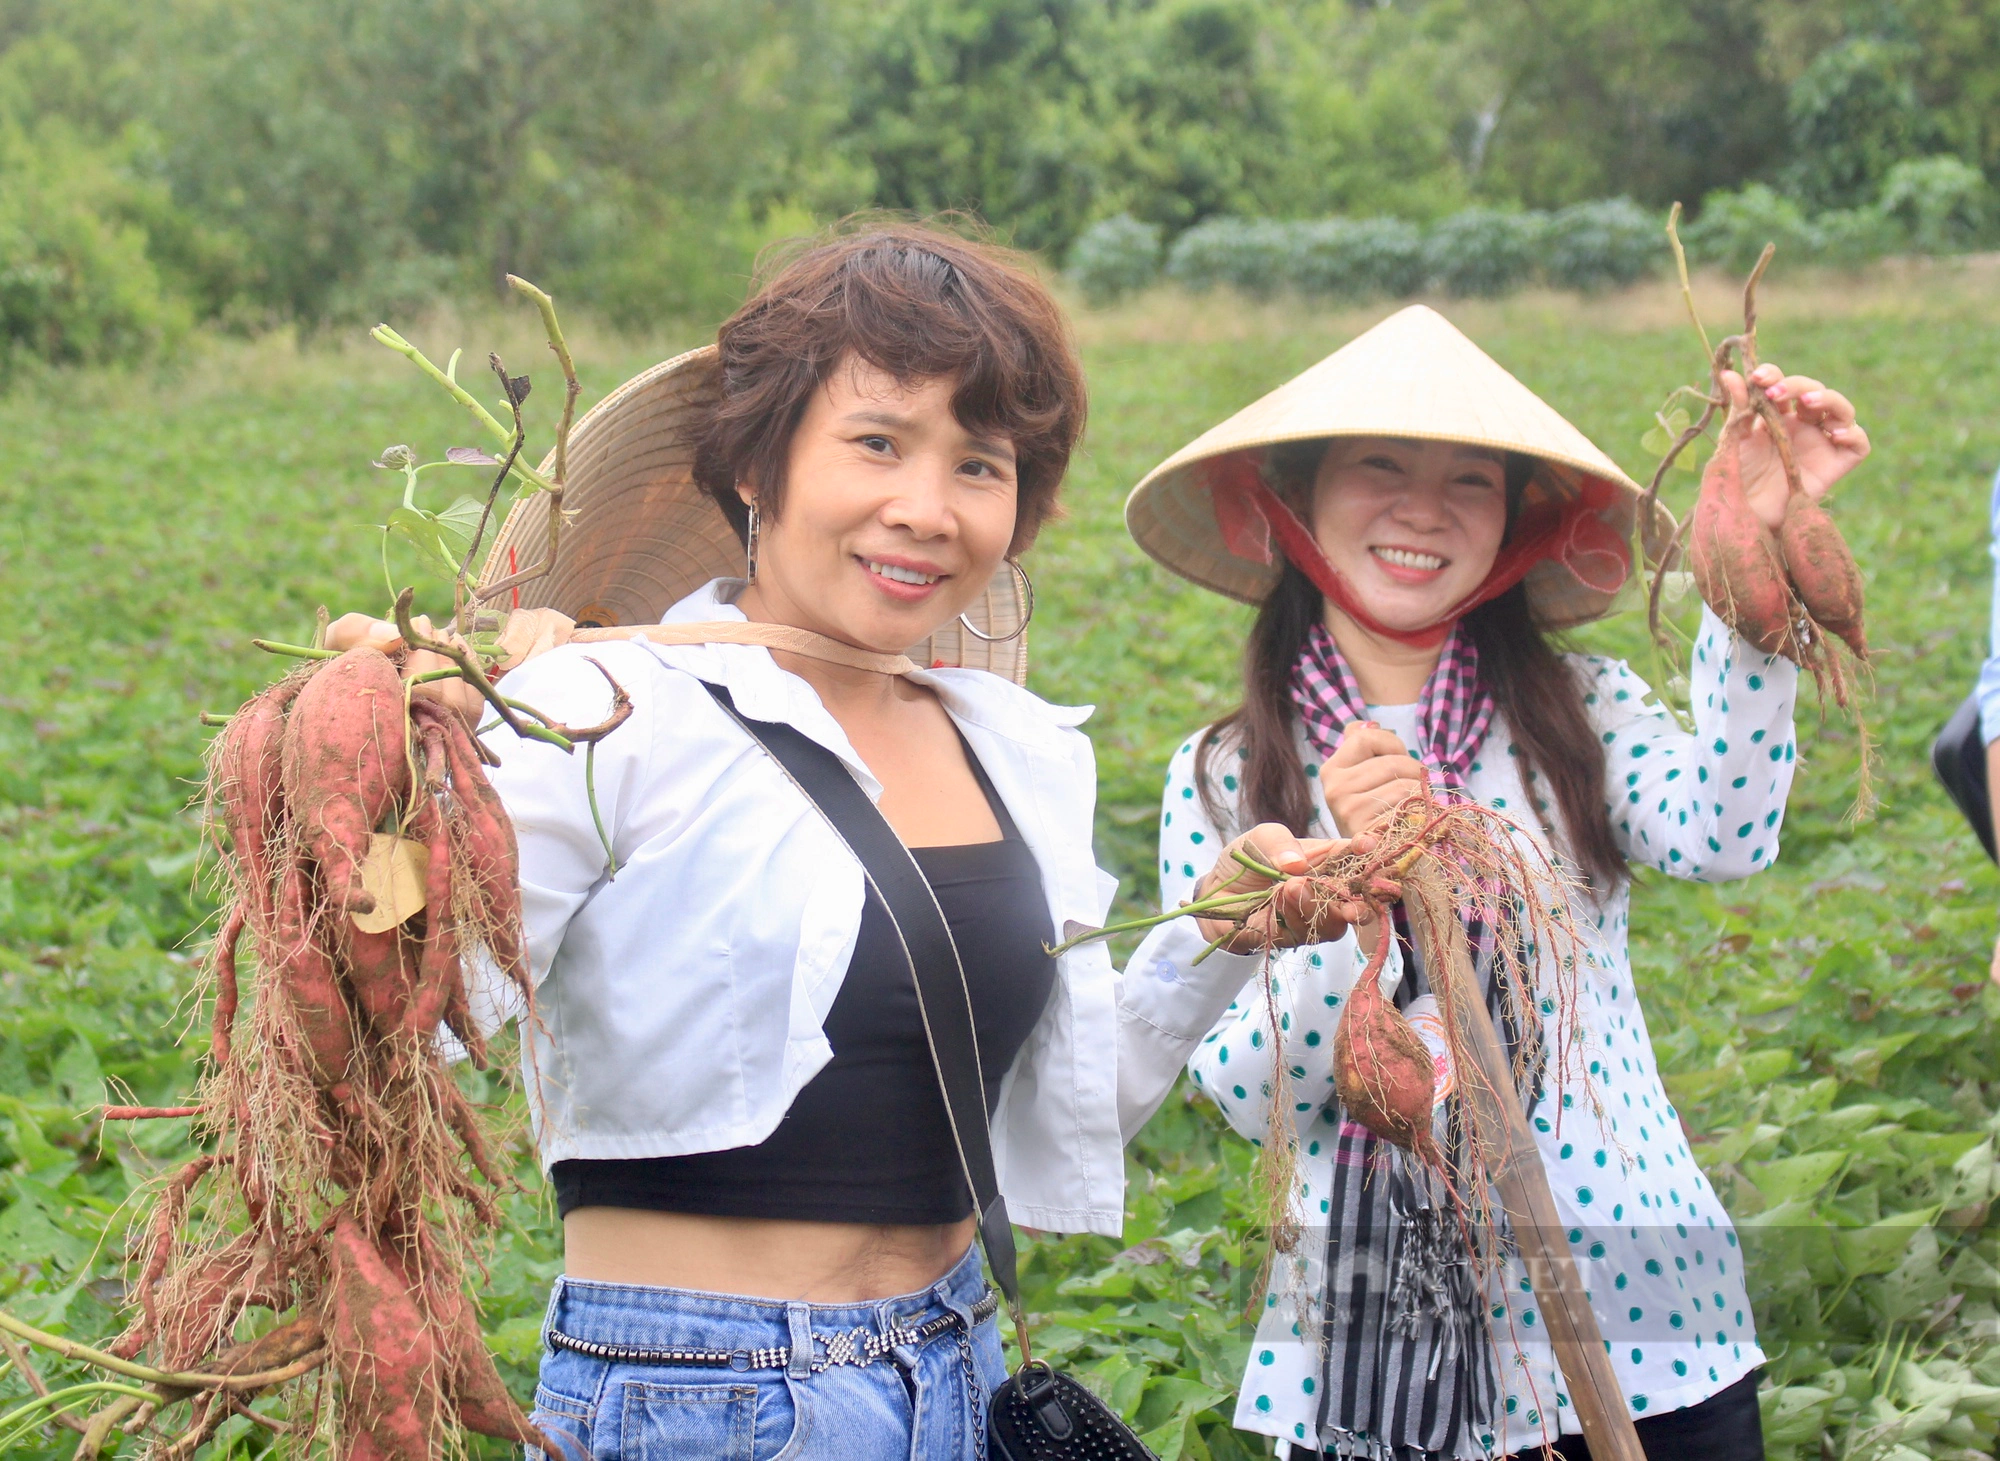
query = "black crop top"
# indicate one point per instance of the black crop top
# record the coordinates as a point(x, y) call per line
point(866, 1140)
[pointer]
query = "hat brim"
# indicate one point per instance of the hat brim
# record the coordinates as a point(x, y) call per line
point(639, 534)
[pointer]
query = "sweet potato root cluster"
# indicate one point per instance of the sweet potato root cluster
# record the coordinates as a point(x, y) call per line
point(1497, 879)
point(1790, 592)
point(1795, 592)
point(346, 1177)
point(1493, 876)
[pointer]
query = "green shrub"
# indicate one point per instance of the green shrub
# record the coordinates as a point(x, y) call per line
point(1943, 203)
point(1854, 112)
point(1358, 258)
point(1254, 255)
point(1483, 251)
point(396, 286)
point(1115, 257)
point(1851, 237)
point(637, 270)
point(1734, 227)
point(1603, 245)
point(76, 284)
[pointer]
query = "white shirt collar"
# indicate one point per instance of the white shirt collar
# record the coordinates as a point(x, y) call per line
point(763, 691)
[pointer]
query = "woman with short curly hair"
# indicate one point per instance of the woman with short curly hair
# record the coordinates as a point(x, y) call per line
point(768, 1233)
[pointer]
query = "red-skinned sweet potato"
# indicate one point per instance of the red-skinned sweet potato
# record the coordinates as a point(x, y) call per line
point(346, 764)
point(1735, 559)
point(1823, 571)
point(492, 857)
point(381, 969)
point(222, 963)
point(216, 1294)
point(473, 1383)
point(250, 777)
point(384, 1349)
point(312, 983)
point(1382, 1070)
point(438, 970)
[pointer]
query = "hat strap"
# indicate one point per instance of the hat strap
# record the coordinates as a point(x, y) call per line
point(785, 637)
point(1249, 513)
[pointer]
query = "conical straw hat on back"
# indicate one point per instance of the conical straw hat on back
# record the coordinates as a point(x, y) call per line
point(641, 535)
point(1413, 375)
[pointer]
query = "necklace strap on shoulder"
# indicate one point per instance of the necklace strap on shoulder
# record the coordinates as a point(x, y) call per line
point(786, 637)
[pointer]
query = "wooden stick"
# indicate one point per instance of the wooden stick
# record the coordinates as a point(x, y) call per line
point(1515, 1168)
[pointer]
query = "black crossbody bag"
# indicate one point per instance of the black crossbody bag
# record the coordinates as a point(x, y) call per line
point(1039, 1414)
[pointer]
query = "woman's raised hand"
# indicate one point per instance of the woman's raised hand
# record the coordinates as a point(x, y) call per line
point(1369, 772)
point(1301, 913)
point(525, 634)
point(1826, 441)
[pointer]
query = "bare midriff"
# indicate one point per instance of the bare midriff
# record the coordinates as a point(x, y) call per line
point(766, 1258)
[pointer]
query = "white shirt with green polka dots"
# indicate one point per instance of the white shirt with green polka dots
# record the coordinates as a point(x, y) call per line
point(1657, 1252)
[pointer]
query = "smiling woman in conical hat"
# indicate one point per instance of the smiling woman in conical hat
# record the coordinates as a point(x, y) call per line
point(1413, 524)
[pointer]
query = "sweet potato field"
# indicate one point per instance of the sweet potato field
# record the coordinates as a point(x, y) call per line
point(1828, 1027)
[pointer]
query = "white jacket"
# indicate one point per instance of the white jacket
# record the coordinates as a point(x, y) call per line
point(680, 1005)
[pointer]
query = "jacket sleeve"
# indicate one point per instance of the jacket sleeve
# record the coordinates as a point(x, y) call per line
point(1989, 673)
point(1167, 1000)
point(1234, 1059)
point(562, 856)
point(1706, 806)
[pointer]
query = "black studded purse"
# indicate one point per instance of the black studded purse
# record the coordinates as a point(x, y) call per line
point(1039, 1414)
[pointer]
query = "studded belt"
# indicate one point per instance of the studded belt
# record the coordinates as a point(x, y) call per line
point(851, 1347)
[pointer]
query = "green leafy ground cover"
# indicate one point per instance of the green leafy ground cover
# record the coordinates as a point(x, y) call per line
point(1827, 1026)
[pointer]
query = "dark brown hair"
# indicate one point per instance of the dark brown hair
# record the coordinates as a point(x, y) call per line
point(921, 303)
point(1532, 685)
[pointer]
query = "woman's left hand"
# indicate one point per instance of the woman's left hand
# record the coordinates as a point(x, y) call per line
point(1827, 443)
point(1301, 913)
point(525, 634)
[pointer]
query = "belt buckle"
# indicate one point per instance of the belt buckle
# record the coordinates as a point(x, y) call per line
point(849, 1347)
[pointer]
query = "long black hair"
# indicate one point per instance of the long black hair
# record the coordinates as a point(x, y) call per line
point(1520, 665)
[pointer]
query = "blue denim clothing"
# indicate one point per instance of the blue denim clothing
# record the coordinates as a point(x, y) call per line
point(926, 1402)
point(1989, 673)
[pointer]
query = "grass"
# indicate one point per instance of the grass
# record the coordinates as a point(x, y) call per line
point(151, 523)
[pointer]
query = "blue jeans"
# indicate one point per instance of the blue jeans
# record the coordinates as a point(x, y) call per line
point(926, 1402)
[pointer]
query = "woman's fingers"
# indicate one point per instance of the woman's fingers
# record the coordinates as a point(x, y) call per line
point(1363, 741)
point(1735, 390)
point(1825, 441)
point(355, 631)
point(1302, 914)
point(1371, 775)
point(1274, 845)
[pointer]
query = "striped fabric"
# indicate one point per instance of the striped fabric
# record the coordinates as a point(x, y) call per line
point(1455, 710)
point(1408, 1368)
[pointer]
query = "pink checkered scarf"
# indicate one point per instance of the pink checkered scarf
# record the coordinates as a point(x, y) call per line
point(1454, 712)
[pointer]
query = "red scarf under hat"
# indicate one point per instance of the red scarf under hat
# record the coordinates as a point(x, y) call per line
point(1249, 514)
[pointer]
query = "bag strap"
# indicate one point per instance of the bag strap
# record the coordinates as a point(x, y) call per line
point(942, 997)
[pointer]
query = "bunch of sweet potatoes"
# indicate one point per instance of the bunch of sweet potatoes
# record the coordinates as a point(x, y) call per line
point(348, 1171)
point(1784, 592)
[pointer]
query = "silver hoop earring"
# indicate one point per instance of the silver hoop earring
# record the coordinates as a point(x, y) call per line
point(750, 546)
point(1027, 593)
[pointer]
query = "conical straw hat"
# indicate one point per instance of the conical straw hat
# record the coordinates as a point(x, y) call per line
point(1413, 375)
point(641, 535)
